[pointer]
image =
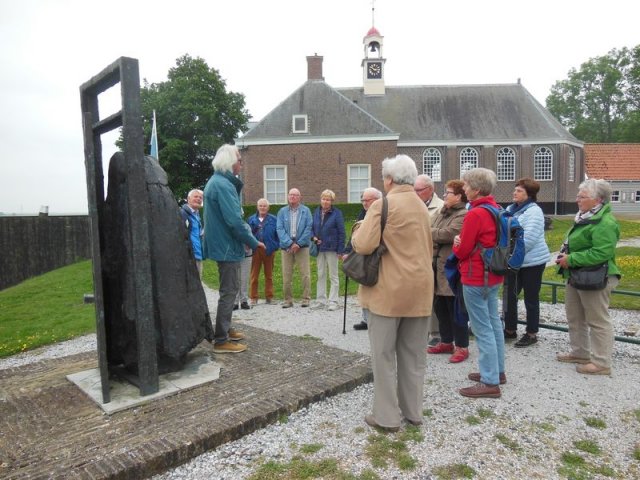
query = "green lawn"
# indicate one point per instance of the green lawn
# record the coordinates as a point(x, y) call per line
point(50, 308)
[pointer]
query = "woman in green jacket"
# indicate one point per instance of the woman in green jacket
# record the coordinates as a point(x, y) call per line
point(591, 241)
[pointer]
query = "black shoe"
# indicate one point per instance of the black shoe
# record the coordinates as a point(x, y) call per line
point(361, 326)
point(526, 341)
point(510, 335)
point(235, 307)
point(245, 306)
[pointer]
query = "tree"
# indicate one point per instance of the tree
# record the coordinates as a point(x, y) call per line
point(600, 102)
point(195, 115)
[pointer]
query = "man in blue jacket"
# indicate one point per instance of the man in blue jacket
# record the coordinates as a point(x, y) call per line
point(294, 232)
point(226, 234)
point(191, 219)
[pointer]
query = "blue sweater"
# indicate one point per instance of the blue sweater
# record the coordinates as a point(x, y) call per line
point(531, 219)
point(331, 231)
point(226, 232)
point(265, 231)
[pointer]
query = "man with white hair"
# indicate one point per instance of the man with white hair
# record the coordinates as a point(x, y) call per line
point(226, 236)
point(425, 189)
point(191, 219)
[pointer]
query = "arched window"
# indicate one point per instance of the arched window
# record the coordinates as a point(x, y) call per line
point(571, 171)
point(506, 164)
point(468, 159)
point(543, 164)
point(432, 163)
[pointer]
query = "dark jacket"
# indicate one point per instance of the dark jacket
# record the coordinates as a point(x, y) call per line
point(446, 224)
point(329, 229)
point(265, 231)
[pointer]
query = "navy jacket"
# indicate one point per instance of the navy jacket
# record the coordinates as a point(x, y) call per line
point(330, 231)
point(265, 231)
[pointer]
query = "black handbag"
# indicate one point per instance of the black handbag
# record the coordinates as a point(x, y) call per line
point(364, 268)
point(589, 278)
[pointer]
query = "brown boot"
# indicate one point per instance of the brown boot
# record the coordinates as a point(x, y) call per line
point(229, 347)
point(475, 377)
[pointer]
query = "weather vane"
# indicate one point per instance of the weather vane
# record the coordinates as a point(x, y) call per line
point(373, 11)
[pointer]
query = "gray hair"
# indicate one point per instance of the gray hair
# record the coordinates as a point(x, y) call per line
point(401, 169)
point(194, 191)
point(481, 179)
point(226, 157)
point(598, 189)
point(426, 179)
point(263, 200)
point(373, 191)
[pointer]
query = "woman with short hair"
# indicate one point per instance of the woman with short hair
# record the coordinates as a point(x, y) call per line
point(591, 241)
point(400, 302)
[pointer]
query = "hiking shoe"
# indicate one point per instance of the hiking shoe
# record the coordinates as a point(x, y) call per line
point(245, 306)
point(235, 335)
point(268, 301)
point(441, 348)
point(481, 390)
point(317, 306)
point(434, 341)
point(361, 326)
point(369, 420)
point(475, 377)
point(510, 335)
point(593, 369)
point(287, 305)
point(229, 347)
point(460, 354)
point(305, 303)
point(570, 358)
point(235, 307)
point(526, 341)
point(332, 307)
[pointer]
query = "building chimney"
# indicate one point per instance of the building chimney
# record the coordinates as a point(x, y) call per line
point(314, 67)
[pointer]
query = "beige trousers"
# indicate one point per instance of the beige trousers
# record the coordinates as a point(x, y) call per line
point(301, 258)
point(590, 327)
point(398, 355)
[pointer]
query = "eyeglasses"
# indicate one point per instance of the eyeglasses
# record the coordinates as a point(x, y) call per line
point(367, 200)
point(582, 197)
point(449, 193)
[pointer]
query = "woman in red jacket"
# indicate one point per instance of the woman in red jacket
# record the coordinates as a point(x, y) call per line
point(480, 293)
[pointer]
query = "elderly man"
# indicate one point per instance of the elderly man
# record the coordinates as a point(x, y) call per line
point(191, 219)
point(369, 195)
point(225, 240)
point(294, 233)
point(424, 188)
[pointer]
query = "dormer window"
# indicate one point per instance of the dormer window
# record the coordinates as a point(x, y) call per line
point(300, 124)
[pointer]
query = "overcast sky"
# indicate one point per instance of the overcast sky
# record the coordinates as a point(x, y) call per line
point(49, 48)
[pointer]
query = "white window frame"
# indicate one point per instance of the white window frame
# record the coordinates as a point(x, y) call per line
point(294, 122)
point(615, 196)
point(468, 158)
point(543, 164)
point(273, 197)
point(506, 164)
point(571, 170)
point(636, 197)
point(432, 163)
point(354, 195)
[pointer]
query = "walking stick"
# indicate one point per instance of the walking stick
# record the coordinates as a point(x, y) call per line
point(344, 317)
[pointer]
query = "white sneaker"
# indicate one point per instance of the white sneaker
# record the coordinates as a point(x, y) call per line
point(317, 306)
point(333, 306)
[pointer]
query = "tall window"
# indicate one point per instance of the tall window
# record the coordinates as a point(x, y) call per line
point(275, 184)
point(615, 196)
point(571, 171)
point(468, 159)
point(506, 163)
point(432, 163)
point(543, 164)
point(636, 197)
point(359, 178)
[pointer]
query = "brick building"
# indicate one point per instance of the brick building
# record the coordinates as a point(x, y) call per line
point(324, 137)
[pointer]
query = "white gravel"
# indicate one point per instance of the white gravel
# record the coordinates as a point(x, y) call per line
point(541, 413)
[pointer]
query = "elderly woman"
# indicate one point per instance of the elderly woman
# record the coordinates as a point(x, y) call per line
point(400, 303)
point(327, 232)
point(591, 241)
point(480, 293)
point(529, 277)
point(263, 226)
point(447, 223)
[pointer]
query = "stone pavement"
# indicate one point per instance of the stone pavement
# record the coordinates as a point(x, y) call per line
point(50, 429)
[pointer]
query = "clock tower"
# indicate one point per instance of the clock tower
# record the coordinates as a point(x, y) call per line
point(373, 63)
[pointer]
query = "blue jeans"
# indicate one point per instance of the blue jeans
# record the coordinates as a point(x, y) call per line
point(482, 305)
point(228, 273)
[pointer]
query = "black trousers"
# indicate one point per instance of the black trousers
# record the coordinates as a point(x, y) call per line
point(528, 279)
point(449, 329)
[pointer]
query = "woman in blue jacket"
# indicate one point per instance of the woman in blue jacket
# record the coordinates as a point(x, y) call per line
point(328, 234)
point(529, 277)
point(263, 226)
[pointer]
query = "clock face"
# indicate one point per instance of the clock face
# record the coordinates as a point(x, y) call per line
point(374, 70)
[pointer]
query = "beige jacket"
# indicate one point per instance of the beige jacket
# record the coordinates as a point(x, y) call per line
point(405, 282)
point(435, 205)
point(446, 225)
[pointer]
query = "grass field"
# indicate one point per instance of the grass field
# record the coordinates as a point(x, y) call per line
point(50, 308)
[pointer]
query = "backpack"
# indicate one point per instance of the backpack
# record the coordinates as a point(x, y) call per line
point(508, 254)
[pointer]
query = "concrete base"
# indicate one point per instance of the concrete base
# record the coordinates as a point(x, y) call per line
point(199, 369)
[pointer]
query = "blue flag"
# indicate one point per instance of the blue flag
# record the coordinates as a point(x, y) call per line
point(154, 139)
